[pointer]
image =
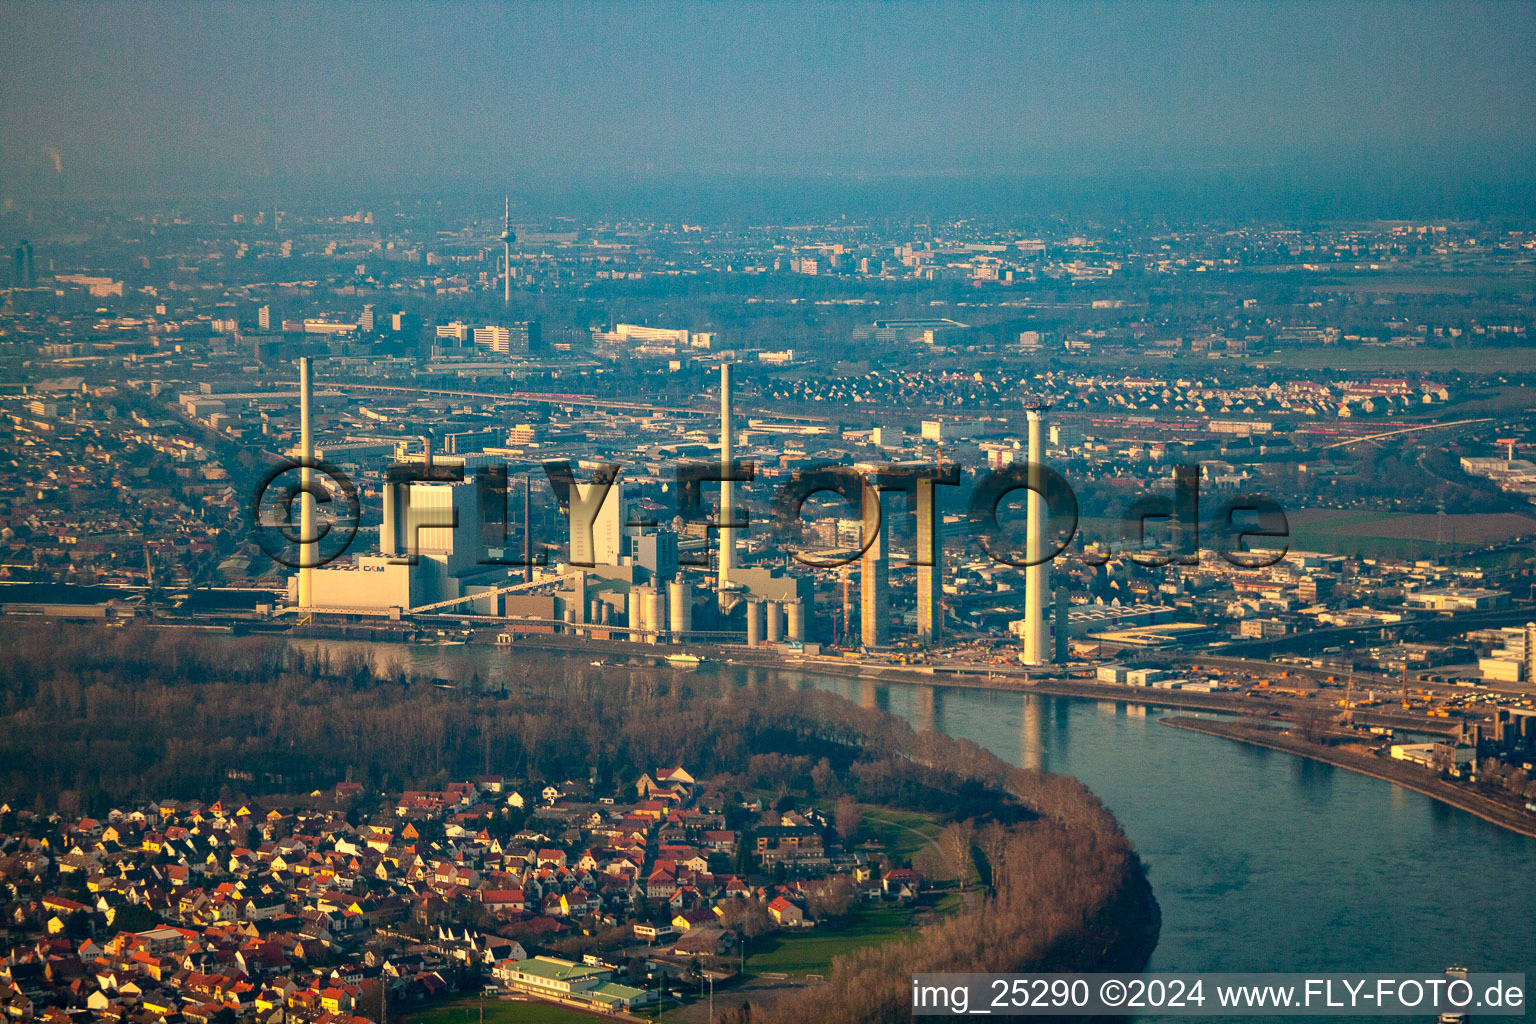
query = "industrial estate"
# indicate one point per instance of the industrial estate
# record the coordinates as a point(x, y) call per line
point(1222, 529)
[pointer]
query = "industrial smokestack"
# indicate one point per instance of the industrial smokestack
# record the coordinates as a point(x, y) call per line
point(930, 564)
point(875, 574)
point(847, 635)
point(1060, 634)
point(426, 455)
point(527, 534)
point(727, 497)
point(1036, 577)
point(308, 548)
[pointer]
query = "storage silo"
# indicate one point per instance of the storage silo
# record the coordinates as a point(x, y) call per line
point(681, 594)
point(794, 614)
point(754, 623)
point(655, 614)
point(636, 603)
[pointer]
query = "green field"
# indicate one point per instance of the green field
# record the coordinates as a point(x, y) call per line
point(949, 903)
point(811, 952)
point(1370, 547)
point(892, 830)
point(467, 1011)
point(1399, 534)
point(1373, 534)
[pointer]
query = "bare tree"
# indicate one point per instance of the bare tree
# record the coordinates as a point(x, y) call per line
point(833, 898)
point(748, 917)
point(846, 817)
point(955, 846)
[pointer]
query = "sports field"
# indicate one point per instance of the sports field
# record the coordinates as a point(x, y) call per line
point(1461, 529)
point(811, 951)
point(467, 1011)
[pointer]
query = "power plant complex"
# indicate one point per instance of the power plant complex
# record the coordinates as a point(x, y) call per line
point(443, 550)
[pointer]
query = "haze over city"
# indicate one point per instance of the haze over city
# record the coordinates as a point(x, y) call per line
point(103, 98)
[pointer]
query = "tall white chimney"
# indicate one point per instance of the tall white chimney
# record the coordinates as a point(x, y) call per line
point(727, 489)
point(1036, 577)
point(308, 550)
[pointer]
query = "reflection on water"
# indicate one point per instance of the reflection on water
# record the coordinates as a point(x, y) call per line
point(926, 708)
point(1261, 861)
point(1031, 734)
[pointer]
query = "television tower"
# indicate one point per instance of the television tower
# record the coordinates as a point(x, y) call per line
point(507, 238)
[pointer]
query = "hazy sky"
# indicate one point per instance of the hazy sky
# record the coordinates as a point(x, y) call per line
point(221, 94)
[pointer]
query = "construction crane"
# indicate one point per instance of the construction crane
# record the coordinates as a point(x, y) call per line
point(149, 582)
point(1347, 716)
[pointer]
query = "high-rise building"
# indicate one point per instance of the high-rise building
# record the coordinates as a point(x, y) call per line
point(875, 579)
point(264, 318)
point(1530, 652)
point(525, 337)
point(519, 338)
point(23, 272)
point(657, 552)
point(497, 339)
point(365, 322)
point(1066, 435)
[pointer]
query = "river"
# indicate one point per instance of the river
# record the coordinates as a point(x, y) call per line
point(1262, 861)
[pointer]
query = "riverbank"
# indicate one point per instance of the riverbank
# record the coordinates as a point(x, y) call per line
point(1384, 851)
point(1048, 681)
point(1490, 810)
point(960, 676)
